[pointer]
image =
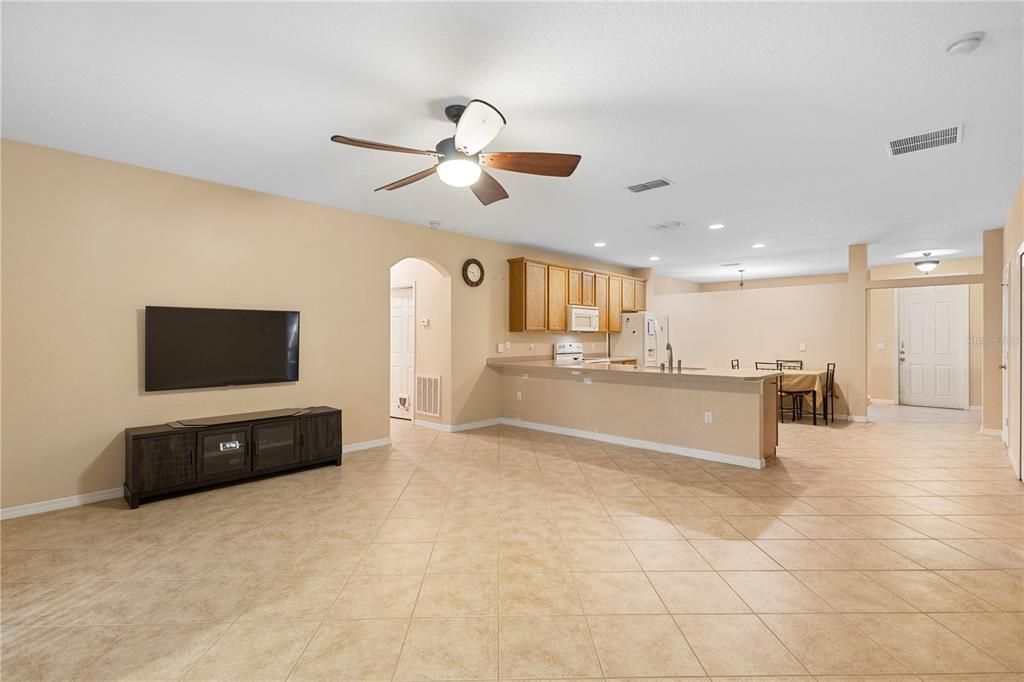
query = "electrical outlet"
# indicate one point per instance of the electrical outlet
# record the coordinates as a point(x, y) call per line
point(524, 375)
point(501, 348)
point(508, 345)
point(519, 395)
point(707, 417)
point(588, 380)
point(531, 346)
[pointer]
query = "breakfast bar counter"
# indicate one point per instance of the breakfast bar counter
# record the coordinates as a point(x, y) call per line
point(722, 415)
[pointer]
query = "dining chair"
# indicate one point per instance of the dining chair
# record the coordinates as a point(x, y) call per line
point(791, 364)
point(829, 403)
point(735, 364)
point(797, 396)
point(766, 365)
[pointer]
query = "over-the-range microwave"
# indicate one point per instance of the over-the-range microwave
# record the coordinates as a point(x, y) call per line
point(582, 319)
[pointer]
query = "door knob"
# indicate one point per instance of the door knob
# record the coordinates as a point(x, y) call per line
point(1002, 366)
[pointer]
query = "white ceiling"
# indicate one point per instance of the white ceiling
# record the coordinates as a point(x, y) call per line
point(770, 118)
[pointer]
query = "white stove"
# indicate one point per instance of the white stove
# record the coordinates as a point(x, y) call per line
point(568, 353)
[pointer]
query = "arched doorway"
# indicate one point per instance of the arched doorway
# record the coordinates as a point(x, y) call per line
point(420, 334)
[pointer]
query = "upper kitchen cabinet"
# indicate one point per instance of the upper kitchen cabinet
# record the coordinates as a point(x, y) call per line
point(539, 296)
point(558, 298)
point(614, 304)
point(527, 296)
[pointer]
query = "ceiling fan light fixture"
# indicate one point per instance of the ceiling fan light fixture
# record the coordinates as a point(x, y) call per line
point(478, 125)
point(926, 265)
point(458, 172)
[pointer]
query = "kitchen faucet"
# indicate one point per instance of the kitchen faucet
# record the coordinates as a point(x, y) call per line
point(668, 347)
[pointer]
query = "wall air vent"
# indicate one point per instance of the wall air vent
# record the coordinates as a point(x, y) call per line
point(649, 185)
point(730, 265)
point(665, 226)
point(922, 141)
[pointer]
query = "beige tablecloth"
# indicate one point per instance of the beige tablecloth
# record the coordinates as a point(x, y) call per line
point(806, 380)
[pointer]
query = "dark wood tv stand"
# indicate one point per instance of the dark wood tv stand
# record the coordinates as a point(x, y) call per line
point(196, 453)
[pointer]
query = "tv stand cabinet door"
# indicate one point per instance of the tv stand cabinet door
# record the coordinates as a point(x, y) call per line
point(321, 437)
point(162, 462)
point(275, 445)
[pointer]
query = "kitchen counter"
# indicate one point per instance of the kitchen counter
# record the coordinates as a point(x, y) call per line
point(722, 415)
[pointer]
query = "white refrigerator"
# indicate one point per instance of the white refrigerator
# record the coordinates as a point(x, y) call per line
point(644, 337)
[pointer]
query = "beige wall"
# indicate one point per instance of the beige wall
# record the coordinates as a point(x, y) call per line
point(992, 325)
point(1013, 237)
point(433, 343)
point(89, 243)
point(773, 282)
point(881, 329)
point(709, 329)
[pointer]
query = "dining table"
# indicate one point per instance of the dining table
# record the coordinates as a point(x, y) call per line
point(808, 380)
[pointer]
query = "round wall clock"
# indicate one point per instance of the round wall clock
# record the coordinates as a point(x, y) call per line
point(473, 272)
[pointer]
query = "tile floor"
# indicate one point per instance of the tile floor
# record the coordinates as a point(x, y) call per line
point(890, 549)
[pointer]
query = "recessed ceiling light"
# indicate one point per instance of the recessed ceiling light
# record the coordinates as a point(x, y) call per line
point(654, 258)
point(758, 245)
point(599, 244)
point(716, 226)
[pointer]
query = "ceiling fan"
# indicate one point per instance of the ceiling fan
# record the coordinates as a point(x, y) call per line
point(459, 161)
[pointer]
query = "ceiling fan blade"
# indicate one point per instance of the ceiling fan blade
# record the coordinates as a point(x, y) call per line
point(487, 189)
point(535, 163)
point(367, 144)
point(415, 177)
point(478, 125)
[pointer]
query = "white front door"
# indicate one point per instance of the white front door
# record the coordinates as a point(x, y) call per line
point(403, 340)
point(933, 346)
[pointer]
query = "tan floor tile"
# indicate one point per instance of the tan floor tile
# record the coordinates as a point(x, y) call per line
point(587, 527)
point(254, 651)
point(450, 649)
point(715, 640)
point(828, 644)
point(352, 649)
point(547, 647)
point(336, 559)
point(170, 651)
point(924, 645)
point(1000, 588)
point(667, 555)
point(600, 555)
point(802, 555)
point(376, 596)
point(821, 527)
point(393, 558)
point(474, 528)
point(617, 593)
point(996, 553)
point(641, 646)
point(458, 595)
point(868, 555)
point(881, 527)
point(630, 506)
point(532, 557)
point(538, 594)
point(928, 591)
point(1000, 635)
point(408, 530)
point(464, 557)
point(60, 653)
point(734, 555)
point(774, 592)
point(646, 528)
point(294, 599)
point(682, 506)
point(219, 600)
point(761, 527)
point(933, 554)
point(852, 592)
point(696, 592)
point(705, 528)
point(528, 529)
point(938, 527)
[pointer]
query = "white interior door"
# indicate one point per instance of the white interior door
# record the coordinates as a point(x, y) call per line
point(403, 352)
point(1005, 361)
point(933, 346)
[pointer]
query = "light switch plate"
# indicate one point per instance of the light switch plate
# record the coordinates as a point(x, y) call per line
point(880, 345)
point(501, 348)
point(803, 347)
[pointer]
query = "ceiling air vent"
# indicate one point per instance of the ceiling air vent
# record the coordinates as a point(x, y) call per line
point(665, 226)
point(922, 141)
point(649, 185)
point(730, 265)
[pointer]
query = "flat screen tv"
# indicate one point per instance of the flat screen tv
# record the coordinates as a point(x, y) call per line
point(204, 347)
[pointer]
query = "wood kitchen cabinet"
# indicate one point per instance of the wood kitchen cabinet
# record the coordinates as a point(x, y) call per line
point(575, 287)
point(614, 304)
point(540, 293)
point(601, 301)
point(558, 298)
point(628, 296)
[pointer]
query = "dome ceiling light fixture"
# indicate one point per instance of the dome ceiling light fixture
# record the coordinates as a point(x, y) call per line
point(928, 264)
point(965, 44)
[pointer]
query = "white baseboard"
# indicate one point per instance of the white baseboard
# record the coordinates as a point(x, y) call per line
point(455, 428)
point(637, 443)
point(991, 432)
point(365, 445)
point(60, 503)
point(113, 493)
point(882, 401)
